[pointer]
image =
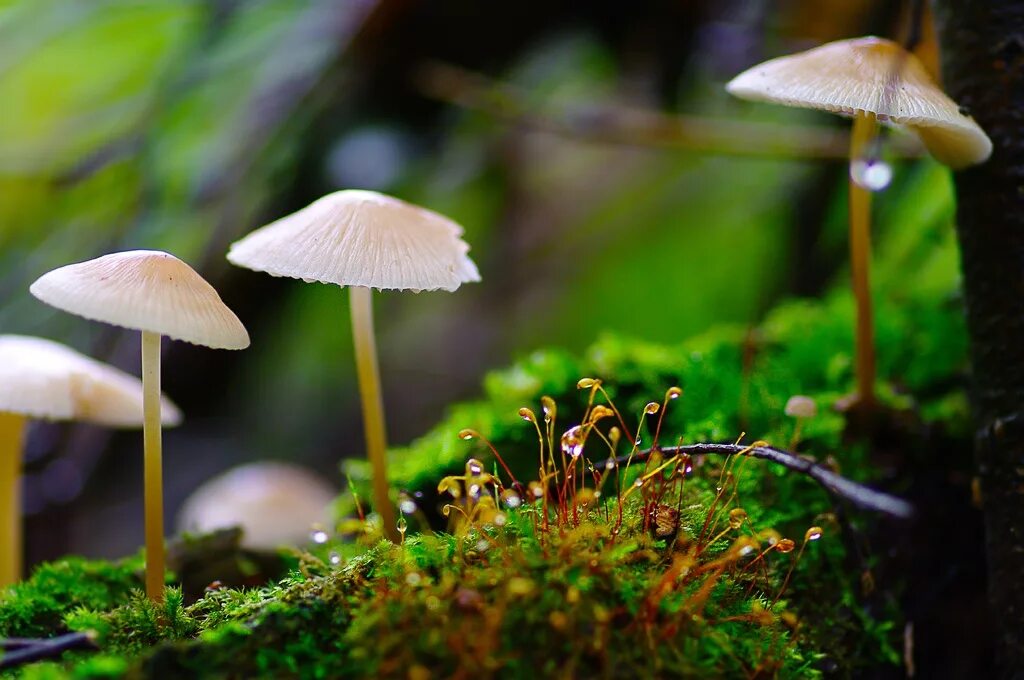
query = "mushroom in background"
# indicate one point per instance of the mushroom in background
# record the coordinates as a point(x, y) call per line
point(157, 294)
point(275, 505)
point(47, 380)
point(873, 80)
point(364, 240)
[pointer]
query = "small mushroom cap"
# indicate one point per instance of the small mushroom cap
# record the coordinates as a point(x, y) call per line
point(361, 238)
point(145, 290)
point(869, 75)
point(275, 504)
point(800, 406)
point(45, 379)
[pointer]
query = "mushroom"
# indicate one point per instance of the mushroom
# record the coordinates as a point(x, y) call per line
point(364, 240)
point(873, 80)
point(45, 379)
point(275, 504)
point(800, 408)
point(157, 294)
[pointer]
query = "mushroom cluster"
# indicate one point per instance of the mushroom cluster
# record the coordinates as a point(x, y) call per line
point(359, 239)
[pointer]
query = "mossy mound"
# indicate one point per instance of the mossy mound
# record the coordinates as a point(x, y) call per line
point(593, 597)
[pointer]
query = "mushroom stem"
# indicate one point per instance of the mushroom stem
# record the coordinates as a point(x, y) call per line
point(864, 129)
point(153, 474)
point(373, 405)
point(12, 432)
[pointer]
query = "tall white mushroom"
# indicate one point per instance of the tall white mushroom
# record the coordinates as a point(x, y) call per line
point(157, 294)
point(364, 240)
point(47, 380)
point(872, 80)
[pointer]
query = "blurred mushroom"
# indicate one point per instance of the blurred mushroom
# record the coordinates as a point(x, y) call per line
point(45, 379)
point(873, 80)
point(157, 294)
point(801, 408)
point(364, 240)
point(275, 504)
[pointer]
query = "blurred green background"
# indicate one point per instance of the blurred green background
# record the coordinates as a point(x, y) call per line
point(549, 130)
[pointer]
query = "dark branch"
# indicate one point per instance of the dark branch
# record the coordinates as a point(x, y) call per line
point(840, 486)
point(27, 651)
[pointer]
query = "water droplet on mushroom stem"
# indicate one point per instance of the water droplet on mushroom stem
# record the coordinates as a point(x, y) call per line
point(871, 174)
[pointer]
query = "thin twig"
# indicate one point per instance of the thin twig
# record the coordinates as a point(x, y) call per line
point(631, 126)
point(37, 650)
point(858, 494)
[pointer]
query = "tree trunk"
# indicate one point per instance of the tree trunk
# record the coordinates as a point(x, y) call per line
point(983, 60)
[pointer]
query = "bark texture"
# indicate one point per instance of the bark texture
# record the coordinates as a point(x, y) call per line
point(983, 66)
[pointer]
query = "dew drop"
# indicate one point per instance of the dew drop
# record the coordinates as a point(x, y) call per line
point(537, 489)
point(813, 534)
point(474, 490)
point(674, 393)
point(511, 498)
point(500, 519)
point(334, 558)
point(527, 415)
point(407, 506)
point(413, 578)
point(873, 175)
point(474, 467)
point(639, 482)
point(638, 440)
point(584, 383)
point(318, 535)
point(548, 404)
point(609, 464)
point(572, 442)
point(652, 408)
point(467, 434)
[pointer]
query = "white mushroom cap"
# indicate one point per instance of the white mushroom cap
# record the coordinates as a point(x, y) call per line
point(361, 238)
point(145, 290)
point(276, 504)
point(869, 75)
point(45, 379)
point(800, 406)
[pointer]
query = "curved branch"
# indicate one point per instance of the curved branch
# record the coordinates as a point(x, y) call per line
point(858, 494)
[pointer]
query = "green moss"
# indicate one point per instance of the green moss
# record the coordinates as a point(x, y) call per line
point(36, 607)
